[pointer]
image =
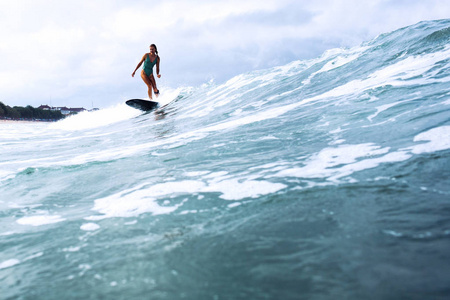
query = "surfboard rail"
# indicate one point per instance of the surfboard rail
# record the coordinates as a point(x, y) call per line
point(145, 105)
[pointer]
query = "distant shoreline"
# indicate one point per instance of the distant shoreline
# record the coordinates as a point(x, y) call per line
point(25, 121)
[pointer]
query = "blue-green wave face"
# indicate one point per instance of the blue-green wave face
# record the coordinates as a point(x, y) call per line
point(320, 179)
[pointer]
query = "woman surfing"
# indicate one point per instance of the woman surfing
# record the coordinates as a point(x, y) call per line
point(150, 60)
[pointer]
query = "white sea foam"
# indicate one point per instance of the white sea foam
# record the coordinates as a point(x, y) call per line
point(334, 163)
point(337, 62)
point(167, 96)
point(233, 189)
point(234, 204)
point(370, 163)
point(36, 255)
point(382, 108)
point(9, 263)
point(89, 227)
point(94, 119)
point(142, 199)
point(437, 139)
point(71, 249)
point(400, 73)
point(40, 220)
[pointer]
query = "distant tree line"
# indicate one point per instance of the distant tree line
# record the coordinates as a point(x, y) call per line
point(28, 113)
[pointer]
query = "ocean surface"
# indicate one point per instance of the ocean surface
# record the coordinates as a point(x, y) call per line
point(320, 179)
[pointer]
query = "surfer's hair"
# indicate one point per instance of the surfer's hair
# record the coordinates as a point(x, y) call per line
point(156, 49)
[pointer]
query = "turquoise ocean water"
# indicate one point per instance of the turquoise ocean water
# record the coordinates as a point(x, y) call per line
point(320, 179)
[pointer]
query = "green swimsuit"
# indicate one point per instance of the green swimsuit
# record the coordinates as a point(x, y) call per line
point(148, 65)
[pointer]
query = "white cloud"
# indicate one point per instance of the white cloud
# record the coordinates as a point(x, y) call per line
point(83, 51)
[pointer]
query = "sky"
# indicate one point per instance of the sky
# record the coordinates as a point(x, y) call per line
point(82, 53)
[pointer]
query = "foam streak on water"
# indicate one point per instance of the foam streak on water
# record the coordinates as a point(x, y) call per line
point(320, 179)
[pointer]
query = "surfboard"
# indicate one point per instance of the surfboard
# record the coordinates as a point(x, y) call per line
point(142, 104)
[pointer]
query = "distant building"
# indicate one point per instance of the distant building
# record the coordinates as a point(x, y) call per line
point(76, 109)
point(64, 110)
point(45, 107)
